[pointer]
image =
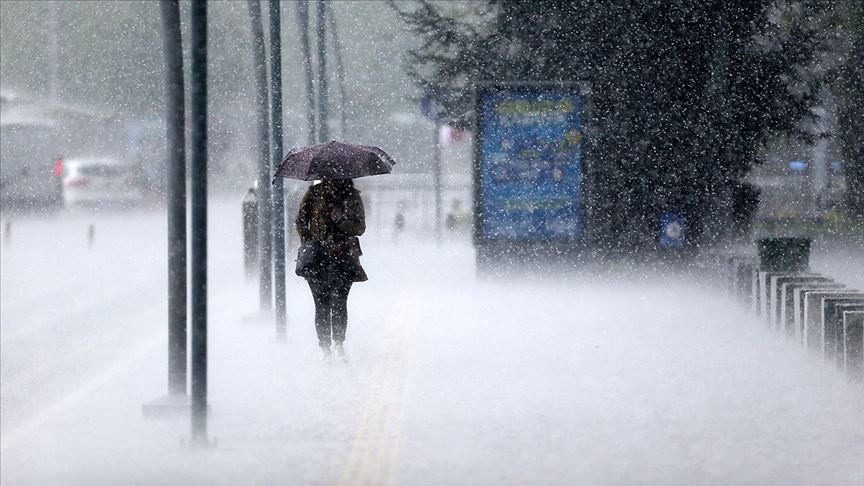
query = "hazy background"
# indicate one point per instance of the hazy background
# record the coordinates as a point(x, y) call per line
point(627, 367)
point(110, 58)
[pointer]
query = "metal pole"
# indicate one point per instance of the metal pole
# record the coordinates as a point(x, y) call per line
point(323, 134)
point(303, 28)
point(340, 71)
point(198, 111)
point(436, 177)
point(54, 60)
point(276, 157)
point(175, 120)
point(265, 202)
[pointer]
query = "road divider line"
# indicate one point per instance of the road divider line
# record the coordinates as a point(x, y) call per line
point(379, 398)
point(400, 420)
point(376, 445)
point(362, 429)
point(384, 455)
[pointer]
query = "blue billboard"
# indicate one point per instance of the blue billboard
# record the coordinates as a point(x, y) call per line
point(529, 163)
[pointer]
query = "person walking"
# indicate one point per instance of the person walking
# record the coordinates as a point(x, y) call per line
point(329, 221)
point(331, 215)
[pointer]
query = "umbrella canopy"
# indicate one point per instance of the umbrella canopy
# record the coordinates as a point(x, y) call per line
point(334, 160)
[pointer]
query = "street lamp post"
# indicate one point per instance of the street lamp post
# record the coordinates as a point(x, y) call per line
point(323, 134)
point(177, 399)
point(340, 71)
point(175, 121)
point(303, 29)
point(276, 157)
point(198, 118)
point(265, 202)
point(436, 176)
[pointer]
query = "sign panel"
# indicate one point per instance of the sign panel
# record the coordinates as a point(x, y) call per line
point(529, 163)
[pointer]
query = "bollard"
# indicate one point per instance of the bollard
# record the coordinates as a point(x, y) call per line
point(826, 334)
point(814, 332)
point(853, 344)
point(250, 233)
point(798, 303)
point(779, 256)
point(730, 275)
point(787, 303)
point(754, 290)
point(775, 296)
point(91, 235)
point(832, 324)
point(744, 270)
point(764, 292)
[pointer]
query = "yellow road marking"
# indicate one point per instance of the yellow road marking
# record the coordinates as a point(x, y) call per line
point(362, 427)
point(397, 440)
point(375, 448)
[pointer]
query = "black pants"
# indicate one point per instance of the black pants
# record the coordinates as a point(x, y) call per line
point(331, 309)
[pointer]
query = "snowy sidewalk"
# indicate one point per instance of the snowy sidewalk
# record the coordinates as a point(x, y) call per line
point(452, 380)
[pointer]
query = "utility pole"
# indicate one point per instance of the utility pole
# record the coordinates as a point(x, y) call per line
point(436, 175)
point(177, 399)
point(722, 139)
point(54, 55)
point(340, 71)
point(433, 110)
point(265, 202)
point(276, 157)
point(303, 28)
point(175, 120)
point(323, 135)
point(198, 111)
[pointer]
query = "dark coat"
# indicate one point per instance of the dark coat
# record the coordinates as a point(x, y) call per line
point(332, 214)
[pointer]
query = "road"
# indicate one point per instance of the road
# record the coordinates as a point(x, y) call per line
point(585, 378)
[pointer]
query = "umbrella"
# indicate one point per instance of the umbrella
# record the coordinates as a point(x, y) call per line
point(334, 160)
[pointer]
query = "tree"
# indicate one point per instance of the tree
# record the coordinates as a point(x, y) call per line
point(848, 88)
point(683, 93)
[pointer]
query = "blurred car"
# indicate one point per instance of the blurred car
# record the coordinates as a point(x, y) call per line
point(100, 181)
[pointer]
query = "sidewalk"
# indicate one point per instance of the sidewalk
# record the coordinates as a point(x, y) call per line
point(456, 381)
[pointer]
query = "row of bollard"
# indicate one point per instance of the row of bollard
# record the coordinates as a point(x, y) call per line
point(824, 316)
point(7, 234)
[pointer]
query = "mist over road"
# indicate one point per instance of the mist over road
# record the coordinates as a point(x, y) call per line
point(577, 379)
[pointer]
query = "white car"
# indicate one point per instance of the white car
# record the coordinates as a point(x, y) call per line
point(101, 181)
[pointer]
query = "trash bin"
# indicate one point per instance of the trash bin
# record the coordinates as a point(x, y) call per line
point(784, 254)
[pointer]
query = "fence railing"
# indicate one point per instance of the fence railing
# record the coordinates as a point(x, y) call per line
point(822, 315)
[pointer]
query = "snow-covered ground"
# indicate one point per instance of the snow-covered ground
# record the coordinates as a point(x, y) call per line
point(580, 379)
